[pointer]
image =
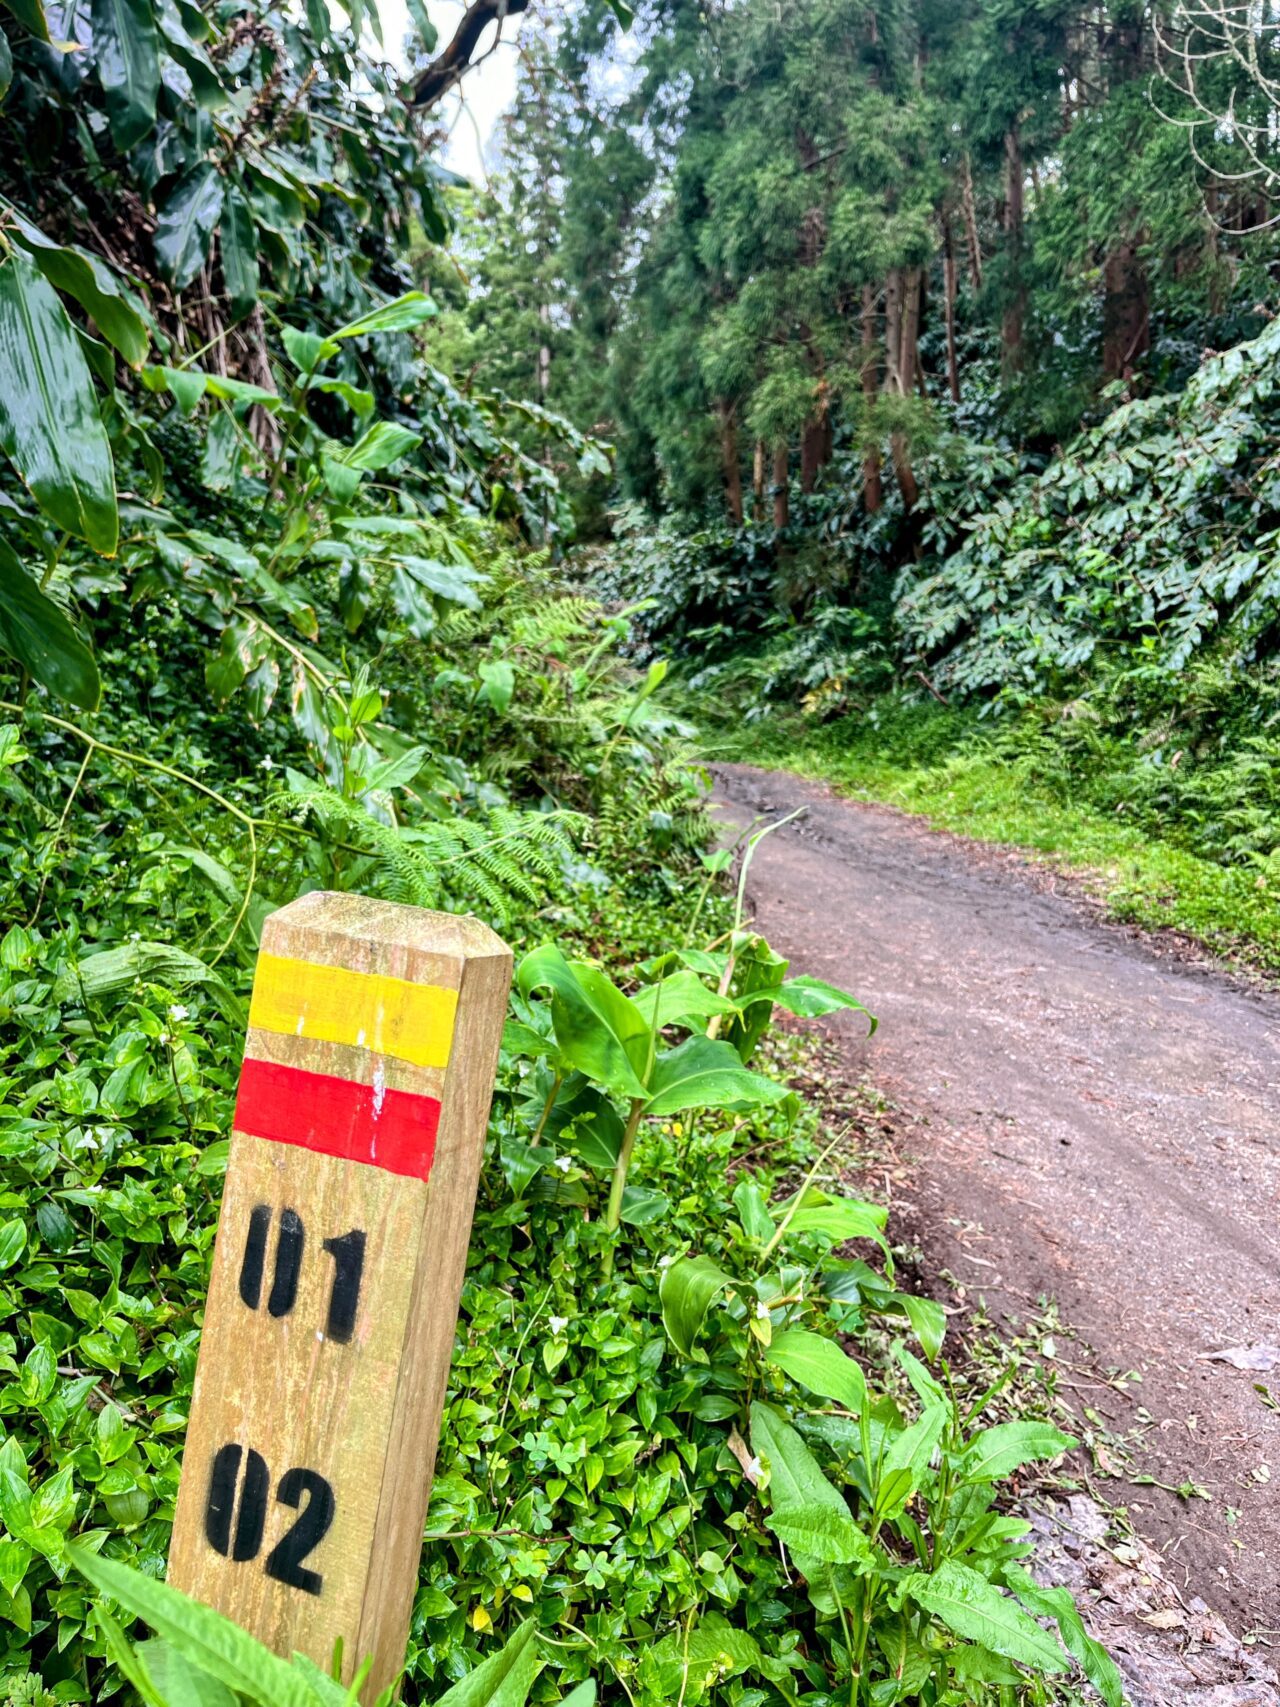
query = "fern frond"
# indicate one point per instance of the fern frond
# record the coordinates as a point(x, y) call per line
point(496, 862)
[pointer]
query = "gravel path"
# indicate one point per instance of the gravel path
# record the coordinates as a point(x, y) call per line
point(1094, 1118)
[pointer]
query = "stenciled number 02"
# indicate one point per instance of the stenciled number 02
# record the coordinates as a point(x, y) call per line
point(239, 1481)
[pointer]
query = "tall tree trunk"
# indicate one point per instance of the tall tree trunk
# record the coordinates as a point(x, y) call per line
point(949, 307)
point(970, 210)
point(902, 338)
point(1126, 314)
point(903, 471)
point(872, 485)
point(757, 483)
point(909, 350)
point(893, 329)
point(1015, 308)
point(811, 435)
point(781, 506)
point(729, 468)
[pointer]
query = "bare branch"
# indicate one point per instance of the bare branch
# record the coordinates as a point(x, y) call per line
point(446, 70)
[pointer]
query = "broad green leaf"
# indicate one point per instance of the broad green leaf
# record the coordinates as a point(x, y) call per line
point(686, 1292)
point(913, 1447)
point(37, 633)
point(30, 13)
point(183, 38)
point(593, 1129)
point(680, 998)
point(710, 1649)
point(840, 1219)
point(186, 223)
point(306, 350)
point(704, 1072)
point(583, 1696)
point(963, 1600)
point(641, 1207)
point(402, 315)
point(820, 1365)
point(213, 1642)
point(15, 1557)
point(6, 66)
point(342, 481)
point(974, 1664)
point(126, 49)
point(893, 1489)
point(1058, 1604)
point(13, 1241)
point(926, 1316)
point(453, 581)
point(186, 386)
point(926, 1386)
point(503, 1680)
point(98, 292)
point(806, 1512)
point(1001, 1450)
point(361, 403)
point(113, 970)
point(599, 1031)
point(499, 687)
point(908, 1660)
point(383, 444)
point(811, 998)
point(50, 427)
point(748, 1199)
point(240, 392)
point(238, 240)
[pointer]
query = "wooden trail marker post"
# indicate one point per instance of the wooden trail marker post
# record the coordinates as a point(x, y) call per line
point(359, 1131)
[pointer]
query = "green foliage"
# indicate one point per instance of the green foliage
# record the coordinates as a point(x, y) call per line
point(200, 1657)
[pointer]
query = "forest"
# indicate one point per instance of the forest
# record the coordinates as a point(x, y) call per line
point(885, 391)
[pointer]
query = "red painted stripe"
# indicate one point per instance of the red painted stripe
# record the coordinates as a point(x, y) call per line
point(337, 1117)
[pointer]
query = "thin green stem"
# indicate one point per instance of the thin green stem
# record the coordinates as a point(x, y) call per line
point(613, 1215)
point(556, 1082)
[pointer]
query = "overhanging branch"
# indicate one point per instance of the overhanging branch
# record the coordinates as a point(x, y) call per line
point(447, 68)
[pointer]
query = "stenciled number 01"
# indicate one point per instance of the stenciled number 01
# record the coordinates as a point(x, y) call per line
point(348, 1269)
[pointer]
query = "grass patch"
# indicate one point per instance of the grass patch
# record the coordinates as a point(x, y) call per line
point(1005, 786)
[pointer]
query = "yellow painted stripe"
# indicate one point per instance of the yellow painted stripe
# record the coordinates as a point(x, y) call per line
point(331, 1004)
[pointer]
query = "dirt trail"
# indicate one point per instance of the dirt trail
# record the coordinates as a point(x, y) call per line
point(1096, 1120)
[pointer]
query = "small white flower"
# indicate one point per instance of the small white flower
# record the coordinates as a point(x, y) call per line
point(762, 1312)
point(135, 936)
point(753, 1471)
point(665, 1262)
point(177, 1013)
point(558, 1324)
point(88, 1143)
point(564, 1163)
point(268, 764)
point(164, 1037)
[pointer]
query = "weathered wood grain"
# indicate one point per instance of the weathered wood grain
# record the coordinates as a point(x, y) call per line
point(397, 1010)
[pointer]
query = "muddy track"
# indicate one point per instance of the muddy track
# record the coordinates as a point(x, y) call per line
point(1093, 1118)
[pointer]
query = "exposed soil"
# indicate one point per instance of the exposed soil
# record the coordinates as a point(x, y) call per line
point(1094, 1117)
